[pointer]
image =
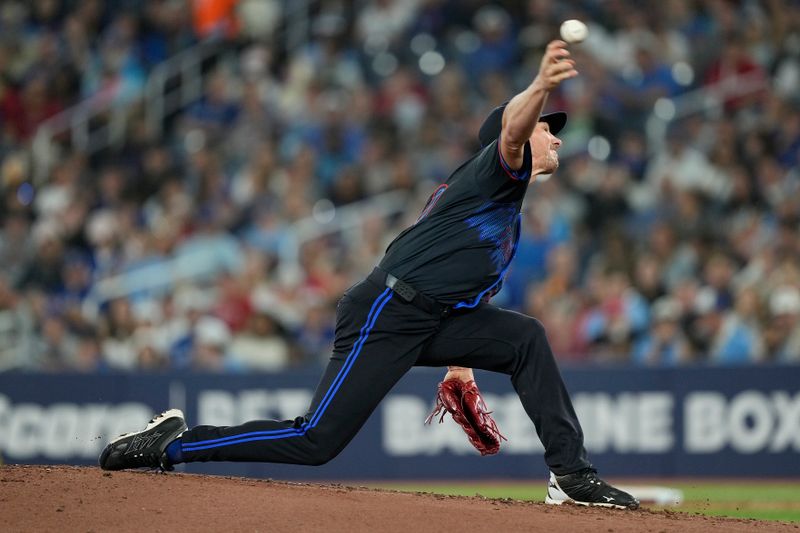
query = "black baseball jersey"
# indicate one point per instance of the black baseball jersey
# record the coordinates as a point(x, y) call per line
point(461, 245)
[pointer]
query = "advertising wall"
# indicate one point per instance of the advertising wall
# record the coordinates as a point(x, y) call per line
point(673, 422)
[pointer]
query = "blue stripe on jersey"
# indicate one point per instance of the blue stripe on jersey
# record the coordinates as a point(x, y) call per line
point(372, 317)
point(513, 174)
point(495, 223)
point(432, 201)
point(502, 274)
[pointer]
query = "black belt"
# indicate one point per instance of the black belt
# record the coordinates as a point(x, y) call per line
point(409, 293)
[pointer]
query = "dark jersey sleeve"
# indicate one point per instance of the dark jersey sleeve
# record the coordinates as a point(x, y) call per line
point(496, 180)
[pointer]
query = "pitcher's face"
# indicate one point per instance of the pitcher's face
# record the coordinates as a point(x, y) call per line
point(544, 148)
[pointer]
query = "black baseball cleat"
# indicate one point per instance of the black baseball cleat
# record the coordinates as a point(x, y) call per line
point(145, 449)
point(585, 488)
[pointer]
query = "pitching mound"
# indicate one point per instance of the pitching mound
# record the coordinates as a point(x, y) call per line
point(39, 498)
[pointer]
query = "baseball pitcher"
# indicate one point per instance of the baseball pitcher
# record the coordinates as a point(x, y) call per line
point(426, 304)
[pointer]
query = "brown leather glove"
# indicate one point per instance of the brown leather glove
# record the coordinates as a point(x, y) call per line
point(464, 402)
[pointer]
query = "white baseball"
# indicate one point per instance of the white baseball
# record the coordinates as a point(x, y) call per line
point(573, 31)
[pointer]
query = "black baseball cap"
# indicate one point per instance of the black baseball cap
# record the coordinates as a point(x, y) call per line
point(490, 130)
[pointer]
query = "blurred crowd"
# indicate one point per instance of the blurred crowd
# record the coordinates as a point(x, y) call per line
point(669, 235)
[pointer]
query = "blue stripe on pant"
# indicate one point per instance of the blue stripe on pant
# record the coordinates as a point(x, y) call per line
point(374, 312)
point(378, 339)
point(371, 353)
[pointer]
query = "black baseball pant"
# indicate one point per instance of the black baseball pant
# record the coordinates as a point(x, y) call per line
point(379, 337)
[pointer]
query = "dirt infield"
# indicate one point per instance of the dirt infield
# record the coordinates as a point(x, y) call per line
point(38, 498)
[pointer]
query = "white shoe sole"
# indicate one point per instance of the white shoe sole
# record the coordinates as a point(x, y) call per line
point(550, 501)
point(166, 415)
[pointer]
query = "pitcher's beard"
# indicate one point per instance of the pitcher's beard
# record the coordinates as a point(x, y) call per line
point(546, 164)
point(552, 161)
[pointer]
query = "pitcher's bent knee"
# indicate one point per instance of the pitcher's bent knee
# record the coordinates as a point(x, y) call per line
point(535, 328)
point(320, 453)
point(530, 336)
point(323, 456)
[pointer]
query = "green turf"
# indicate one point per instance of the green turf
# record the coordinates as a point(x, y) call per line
point(761, 500)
